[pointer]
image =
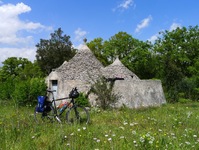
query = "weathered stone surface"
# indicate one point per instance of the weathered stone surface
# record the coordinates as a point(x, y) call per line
point(83, 66)
point(118, 70)
point(83, 69)
point(139, 93)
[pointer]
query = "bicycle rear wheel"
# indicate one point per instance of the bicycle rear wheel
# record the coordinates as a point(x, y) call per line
point(45, 116)
point(77, 115)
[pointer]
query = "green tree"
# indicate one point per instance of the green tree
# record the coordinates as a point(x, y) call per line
point(178, 52)
point(119, 45)
point(134, 54)
point(31, 70)
point(141, 60)
point(12, 67)
point(21, 81)
point(52, 53)
point(22, 68)
point(97, 47)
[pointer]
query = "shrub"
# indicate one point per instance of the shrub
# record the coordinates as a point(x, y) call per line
point(26, 92)
point(103, 90)
point(82, 100)
point(6, 89)
point(184, 100)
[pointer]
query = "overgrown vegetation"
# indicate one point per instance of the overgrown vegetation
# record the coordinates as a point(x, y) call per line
point(105, 96)
point(21, 81)
point(82, 100)
point(172, 126)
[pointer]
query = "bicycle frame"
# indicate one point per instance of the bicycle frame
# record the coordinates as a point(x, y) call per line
point(59, 99)
point(54, 100)
point(75, 113)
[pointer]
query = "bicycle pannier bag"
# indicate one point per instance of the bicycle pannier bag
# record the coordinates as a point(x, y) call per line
point(41, 103)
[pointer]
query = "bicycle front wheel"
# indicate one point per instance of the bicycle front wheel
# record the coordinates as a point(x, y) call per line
point(77, 115)
point(46, 116)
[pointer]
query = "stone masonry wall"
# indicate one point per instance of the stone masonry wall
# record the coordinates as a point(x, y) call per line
point(140, 93)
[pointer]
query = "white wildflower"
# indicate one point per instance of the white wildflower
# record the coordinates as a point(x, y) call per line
point(159, 130)
point(121, 137)
point(134, 132)
point(121, 127)
point(188, 143)
point(125, 123)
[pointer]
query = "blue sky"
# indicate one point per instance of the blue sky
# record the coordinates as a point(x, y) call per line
point(24, 22)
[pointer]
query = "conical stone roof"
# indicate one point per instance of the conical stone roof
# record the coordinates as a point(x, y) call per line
point(83, 66)
point(118, 70)
point(62, 66)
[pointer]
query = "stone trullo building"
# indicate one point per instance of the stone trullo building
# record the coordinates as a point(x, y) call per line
point(84, 68)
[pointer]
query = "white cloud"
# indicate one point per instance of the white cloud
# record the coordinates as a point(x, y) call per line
point(16, 34)
point(124, 5)
point(144, 23)
point(28, 53)
point(11, 24)
point(80, 34)
point(174, 26)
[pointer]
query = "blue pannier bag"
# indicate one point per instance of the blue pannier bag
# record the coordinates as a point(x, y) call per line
point(41, 103)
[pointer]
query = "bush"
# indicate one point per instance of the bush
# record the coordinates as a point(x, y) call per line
point(184, 100)
point(26, 92)
point(103, 90)
point(82, 100)
point(7, 89)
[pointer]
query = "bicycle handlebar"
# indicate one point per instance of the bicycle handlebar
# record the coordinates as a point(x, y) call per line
point(51, 91)
point(74, 89)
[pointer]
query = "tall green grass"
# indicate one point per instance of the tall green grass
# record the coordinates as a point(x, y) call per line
point(171, 127)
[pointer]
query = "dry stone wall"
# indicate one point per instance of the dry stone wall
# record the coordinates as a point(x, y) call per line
point(139, 93)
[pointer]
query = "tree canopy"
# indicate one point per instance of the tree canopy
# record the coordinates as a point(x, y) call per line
point(52, 53)
point(19, 67)
point(178, 54)
point(21, 80)
point(135, 54)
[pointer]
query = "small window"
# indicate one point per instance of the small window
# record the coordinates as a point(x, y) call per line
point(54, 87)
point(54, 82)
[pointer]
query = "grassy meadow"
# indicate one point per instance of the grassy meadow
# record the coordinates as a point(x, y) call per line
point(169, 127)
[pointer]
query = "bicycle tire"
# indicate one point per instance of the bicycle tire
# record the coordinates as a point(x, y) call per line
point(46, 116)
point(77, 115)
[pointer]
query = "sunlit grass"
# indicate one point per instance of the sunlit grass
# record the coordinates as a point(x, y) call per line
point(172, 126)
